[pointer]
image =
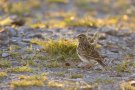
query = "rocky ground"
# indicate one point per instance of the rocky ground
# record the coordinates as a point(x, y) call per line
point(26, 62)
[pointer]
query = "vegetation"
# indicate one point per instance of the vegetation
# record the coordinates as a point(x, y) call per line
point(25, 81)
point(3, 74)
point(5, 63)
point(76, 75)
point(57, 1)
point(19, 7)
point(105, 81)
point(123, 67)
point(20, 69)
point(61, 48)
point(61, 74)
point(53, 64)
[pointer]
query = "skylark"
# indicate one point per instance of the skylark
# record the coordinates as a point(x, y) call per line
point(87, 52)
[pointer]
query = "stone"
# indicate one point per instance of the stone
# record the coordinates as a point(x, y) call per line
point(55, 36)
point(80, 29)
point(6, 35)
point(5, 55)
point(22, 44)
point(26, 40)
point(11, 31)
point(48, 32)
point(36, 35)
point(102, 36)
point(25, 30)
point(4, 38)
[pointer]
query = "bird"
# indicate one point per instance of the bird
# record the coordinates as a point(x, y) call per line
point(87, 52)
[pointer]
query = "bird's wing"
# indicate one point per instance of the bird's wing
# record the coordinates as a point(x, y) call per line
point(83, 49)
point(93, 53)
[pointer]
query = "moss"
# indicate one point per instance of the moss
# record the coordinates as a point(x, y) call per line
point(20, 69)
point(20, 7)
point(3, 74)
point(85, 22)
point(129, 56)
point(76, 75)
point(14, 54)
point(25, 81)
point(38, 25)
point(55, 84)
point(105, 81)
point(40, 57)
point(56, 23)
point(6, 21)
point(4, 63)
point(62, 49)
point(69, 85)
point(53, 64)
point(123, 67)
point(32, 63)
point(13, 47)
point(133, 64)
point(61, 74)
point(57, 1)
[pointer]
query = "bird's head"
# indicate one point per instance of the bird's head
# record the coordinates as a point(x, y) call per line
point(82, 37)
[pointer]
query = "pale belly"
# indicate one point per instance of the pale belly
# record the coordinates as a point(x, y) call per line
point(91, 61)
point(83, 59)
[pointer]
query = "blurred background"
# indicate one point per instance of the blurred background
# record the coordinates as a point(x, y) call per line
point(65, 13)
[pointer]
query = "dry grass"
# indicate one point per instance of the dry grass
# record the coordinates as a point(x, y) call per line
point(3, 74)
point(63, 49)
point(69, 85)
point(76, 75)
point(25, 81)
point(4, 63)
point(20, 69)
point(123, 67)
point(19, 7)
point(57, 1)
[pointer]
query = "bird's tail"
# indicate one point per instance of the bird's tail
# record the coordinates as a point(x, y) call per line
point(101, 63)
point(104, 65)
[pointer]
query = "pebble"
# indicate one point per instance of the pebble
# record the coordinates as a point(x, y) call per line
point(5, 55)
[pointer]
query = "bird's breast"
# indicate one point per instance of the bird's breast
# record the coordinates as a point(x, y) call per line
point(83, 59)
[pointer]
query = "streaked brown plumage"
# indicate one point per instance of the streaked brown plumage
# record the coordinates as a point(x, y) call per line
point(86, 51)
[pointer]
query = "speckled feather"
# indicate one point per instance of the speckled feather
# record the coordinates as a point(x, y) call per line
point(87, 51)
